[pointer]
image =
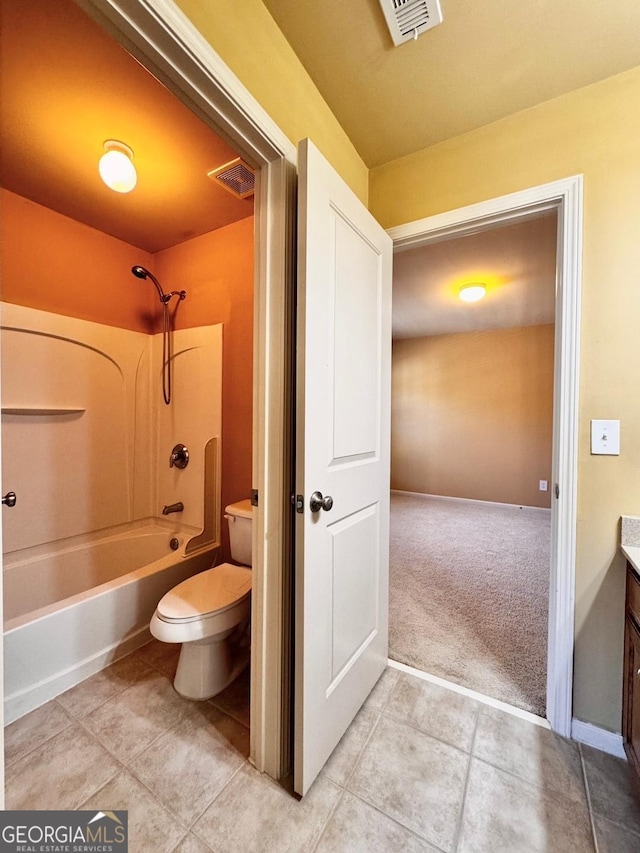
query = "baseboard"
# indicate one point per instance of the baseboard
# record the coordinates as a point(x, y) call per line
point(599, 738)
point(467, 500)
point(586, 733)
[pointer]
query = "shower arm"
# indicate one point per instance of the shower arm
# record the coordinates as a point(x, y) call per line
point(165, 298)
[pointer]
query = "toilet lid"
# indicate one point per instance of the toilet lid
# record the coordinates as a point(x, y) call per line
point(208, 592)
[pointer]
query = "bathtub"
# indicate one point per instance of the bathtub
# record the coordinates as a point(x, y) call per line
point(73, 607)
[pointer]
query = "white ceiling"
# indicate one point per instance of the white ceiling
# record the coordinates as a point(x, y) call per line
point(487, 60)
point(517, 262)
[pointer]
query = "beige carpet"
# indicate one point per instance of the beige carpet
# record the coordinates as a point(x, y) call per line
point(468, 598)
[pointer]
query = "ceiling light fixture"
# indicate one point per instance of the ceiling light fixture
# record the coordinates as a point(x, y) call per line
point(472, 292)
point(116, 167)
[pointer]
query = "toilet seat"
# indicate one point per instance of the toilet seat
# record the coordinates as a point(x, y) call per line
point(206, 594)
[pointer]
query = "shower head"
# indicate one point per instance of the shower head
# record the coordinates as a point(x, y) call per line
point(143, 272)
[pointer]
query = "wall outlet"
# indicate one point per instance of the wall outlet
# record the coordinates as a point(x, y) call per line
point(544, 486)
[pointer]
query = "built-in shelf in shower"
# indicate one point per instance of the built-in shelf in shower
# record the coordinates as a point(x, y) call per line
point(44, 411)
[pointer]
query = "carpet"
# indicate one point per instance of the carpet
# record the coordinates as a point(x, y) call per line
point(468, 596)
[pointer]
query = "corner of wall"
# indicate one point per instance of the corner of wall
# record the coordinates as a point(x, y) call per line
point(287, 92)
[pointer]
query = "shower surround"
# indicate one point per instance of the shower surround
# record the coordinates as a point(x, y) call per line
point(86, 447)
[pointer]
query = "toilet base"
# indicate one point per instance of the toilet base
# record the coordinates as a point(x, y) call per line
point(206, 667)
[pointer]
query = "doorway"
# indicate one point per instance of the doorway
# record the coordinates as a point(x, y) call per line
point(565, 197)
point(198, 75)
point(472, 419)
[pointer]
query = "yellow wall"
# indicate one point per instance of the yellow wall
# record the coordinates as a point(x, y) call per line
point(593, 131)
point(250, 42)
point(472, 415)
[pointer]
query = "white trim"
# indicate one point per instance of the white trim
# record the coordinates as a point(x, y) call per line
point(467, 500)
point(471, 694)
point(566, 197)
point(165, 41)
point(159, 34)
point(598, 738)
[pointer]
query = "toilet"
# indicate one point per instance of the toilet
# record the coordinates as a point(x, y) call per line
point(209, 614)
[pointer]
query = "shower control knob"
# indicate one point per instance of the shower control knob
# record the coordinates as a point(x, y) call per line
point(318, 502)
point(179, 457)
point(9, 499)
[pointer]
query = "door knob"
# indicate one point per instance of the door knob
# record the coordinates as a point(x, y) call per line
point(9, 499)
point(317, 502)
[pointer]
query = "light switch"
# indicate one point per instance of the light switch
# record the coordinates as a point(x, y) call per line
point(605, 438)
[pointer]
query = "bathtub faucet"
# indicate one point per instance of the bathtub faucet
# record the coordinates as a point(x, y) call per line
point(173, 508)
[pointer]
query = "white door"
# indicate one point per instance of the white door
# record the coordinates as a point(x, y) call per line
point(343, 415)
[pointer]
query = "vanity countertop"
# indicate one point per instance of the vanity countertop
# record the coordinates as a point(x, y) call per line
point(632, 553)
point(630, 540)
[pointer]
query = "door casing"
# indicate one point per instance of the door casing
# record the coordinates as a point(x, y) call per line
point(165, 41)
point(565, 196)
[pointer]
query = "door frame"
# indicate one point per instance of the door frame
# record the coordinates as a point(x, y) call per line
point(565, 196)
point(165, 41)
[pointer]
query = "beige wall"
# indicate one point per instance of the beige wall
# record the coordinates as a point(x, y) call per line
point(593, 131)
point(472, 415)
point(247, 38)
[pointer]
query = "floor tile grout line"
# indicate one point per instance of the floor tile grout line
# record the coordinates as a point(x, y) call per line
point(549, 792)
point(588, 794)
point(138, 754)
point(244, 763)
point(594, 812)
point(124, 765)
point(475, 695)
point(112, 696)
point(232, 775)
point(99, 788)
point(459, 823)
point(126, 769)
point(397, 820)
point(174, 817)
point(423, 732)
point(315, 845)
point(72, 720)
point(361, 753)
point(227, 713)
point(184, 838)
point(211, 700)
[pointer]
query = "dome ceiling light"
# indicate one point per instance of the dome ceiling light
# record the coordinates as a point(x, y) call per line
point(116, 167)
point(473, 292)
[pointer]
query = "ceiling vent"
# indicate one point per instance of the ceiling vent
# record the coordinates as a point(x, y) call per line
point(407, 19)
point(236, 177)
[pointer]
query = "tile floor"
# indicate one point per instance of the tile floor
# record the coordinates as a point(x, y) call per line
point(420, 769)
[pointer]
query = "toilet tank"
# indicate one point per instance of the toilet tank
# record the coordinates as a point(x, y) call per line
point(239, 518)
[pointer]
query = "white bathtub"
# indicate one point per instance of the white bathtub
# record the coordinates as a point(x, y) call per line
point(74, 606)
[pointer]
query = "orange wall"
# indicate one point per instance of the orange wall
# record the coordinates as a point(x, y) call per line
point(472, 415)
point(56, 264)
point(216, 270)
